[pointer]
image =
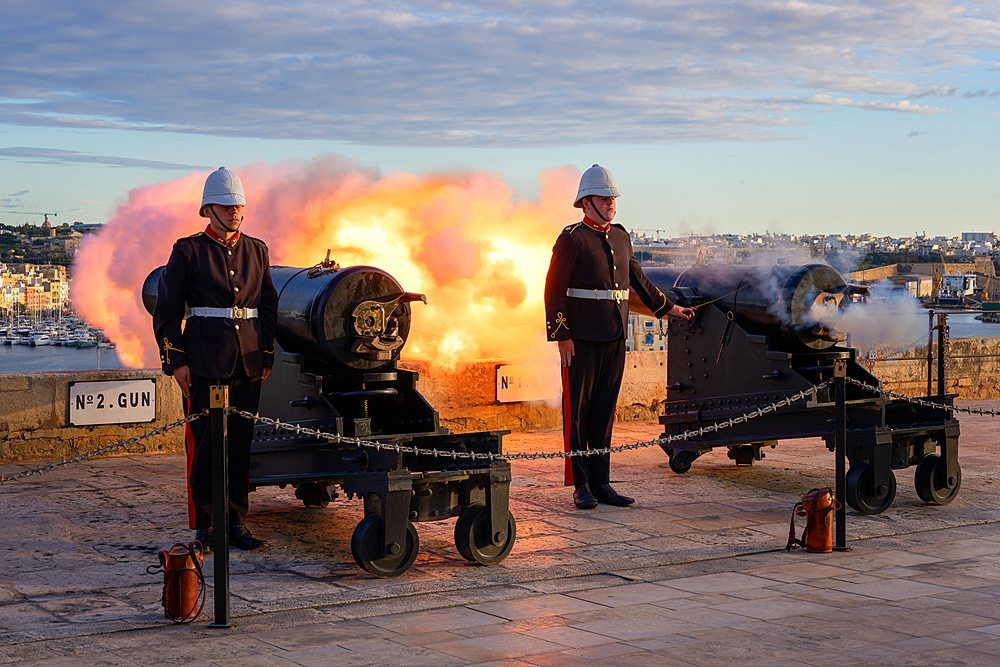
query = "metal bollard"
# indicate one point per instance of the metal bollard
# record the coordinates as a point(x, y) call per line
point(218, 402)
point(840, 451)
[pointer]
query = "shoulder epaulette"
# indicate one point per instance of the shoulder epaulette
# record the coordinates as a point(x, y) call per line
point(193, 236)
point(570, 228)
point(253, 238)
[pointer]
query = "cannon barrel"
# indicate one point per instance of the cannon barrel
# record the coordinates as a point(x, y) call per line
point(357, 317)
point(797, 304)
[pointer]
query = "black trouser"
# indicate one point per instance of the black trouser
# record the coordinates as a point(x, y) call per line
point(244, 394)
point(590, 394)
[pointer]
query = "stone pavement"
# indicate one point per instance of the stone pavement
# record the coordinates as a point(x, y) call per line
point(693, 574)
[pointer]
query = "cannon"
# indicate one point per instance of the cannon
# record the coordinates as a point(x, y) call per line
point(339, 335)
point(763, 333)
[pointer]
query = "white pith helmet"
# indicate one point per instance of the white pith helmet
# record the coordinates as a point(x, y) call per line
point(223, 187)
point(596, 181)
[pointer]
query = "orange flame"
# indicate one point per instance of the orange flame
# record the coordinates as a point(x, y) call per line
point(461, 239)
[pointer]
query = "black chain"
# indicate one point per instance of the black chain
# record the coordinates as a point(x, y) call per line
point(920, 401)
point(299, 430)
point(100, 452)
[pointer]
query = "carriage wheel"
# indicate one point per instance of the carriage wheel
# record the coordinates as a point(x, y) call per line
point(368, 550)
point(473, 539)
point(314, 494)
point(859, 495)
point(931, 484)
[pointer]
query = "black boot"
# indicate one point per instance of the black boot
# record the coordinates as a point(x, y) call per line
point(583, 498)
point(605, 494)
point(241, 538)
point(204, 535)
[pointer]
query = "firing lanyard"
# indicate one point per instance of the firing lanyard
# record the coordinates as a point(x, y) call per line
point(700, 305)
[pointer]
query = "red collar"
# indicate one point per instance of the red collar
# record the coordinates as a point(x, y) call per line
point(221, 240)
point(593, 225)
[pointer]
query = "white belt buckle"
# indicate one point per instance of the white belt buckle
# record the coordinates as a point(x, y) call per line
point(239, 313)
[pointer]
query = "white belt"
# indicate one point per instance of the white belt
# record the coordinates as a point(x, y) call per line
point(616, 295)
point(228, 313)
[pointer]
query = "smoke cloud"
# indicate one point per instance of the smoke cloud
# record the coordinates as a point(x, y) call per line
point(462, 239)
point(892, 321)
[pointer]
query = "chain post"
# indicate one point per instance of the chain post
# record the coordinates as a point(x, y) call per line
point(930, 351)
point(943, 340)
point(840, 451)
point(218, 402)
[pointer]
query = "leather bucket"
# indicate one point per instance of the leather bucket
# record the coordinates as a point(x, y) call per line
point(183, 581)
point(817, 506)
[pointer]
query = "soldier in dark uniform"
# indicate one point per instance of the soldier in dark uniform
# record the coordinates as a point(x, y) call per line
point(224, 276)
point(586, 311)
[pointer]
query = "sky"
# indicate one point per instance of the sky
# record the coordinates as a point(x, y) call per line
point(715, 116)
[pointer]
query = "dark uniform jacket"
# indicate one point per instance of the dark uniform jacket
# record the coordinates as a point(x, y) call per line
point(587, 257)
point(206, 271)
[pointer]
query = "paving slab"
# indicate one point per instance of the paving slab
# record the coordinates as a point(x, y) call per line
point(694, 574)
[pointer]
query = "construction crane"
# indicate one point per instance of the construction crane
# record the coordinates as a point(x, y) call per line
point(658, 232)
point(34, 213)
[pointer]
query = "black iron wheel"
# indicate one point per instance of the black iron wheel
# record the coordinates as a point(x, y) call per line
point(680, 461)
point(473, 539)
point(931, 481)
point(367, 548)
point(313, 494)
point(859, 494)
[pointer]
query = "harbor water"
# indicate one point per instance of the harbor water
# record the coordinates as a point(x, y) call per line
point(48, 358)
point(965, 325)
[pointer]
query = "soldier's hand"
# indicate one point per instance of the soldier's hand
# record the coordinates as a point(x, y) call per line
point(683, 313)
point(264, 374)
point(183, 377)
point(566, 351)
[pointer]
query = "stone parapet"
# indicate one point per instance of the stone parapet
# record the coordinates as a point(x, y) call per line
point(34, 416)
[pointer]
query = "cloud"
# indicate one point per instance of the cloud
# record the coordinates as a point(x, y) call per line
point(902, 105)
point(18, 194)
point(43, 155)
point(949, 91)
point(982, 92)
point(480, 73)
point(913, 133)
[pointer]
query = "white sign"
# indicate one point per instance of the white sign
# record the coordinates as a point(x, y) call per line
point(112, 402)
point(528, 382)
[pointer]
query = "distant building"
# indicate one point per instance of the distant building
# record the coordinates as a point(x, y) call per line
point(645, 333)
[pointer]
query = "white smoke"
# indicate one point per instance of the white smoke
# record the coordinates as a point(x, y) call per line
point(891, 321)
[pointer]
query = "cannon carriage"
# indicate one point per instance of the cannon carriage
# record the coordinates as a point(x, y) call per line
point(340, 332)
point(763, 334)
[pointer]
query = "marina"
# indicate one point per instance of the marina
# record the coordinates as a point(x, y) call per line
point(53, 358)
point(20, 339)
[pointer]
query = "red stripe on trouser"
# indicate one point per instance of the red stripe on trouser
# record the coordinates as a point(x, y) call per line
point(189, 449)
point(567, 422)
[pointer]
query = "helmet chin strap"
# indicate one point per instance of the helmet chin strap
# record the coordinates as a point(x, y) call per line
point(599, 214)
point(226, 227)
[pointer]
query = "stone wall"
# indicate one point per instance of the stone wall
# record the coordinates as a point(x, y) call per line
point(34, 416)
point(972, 370)
point(34, 411)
